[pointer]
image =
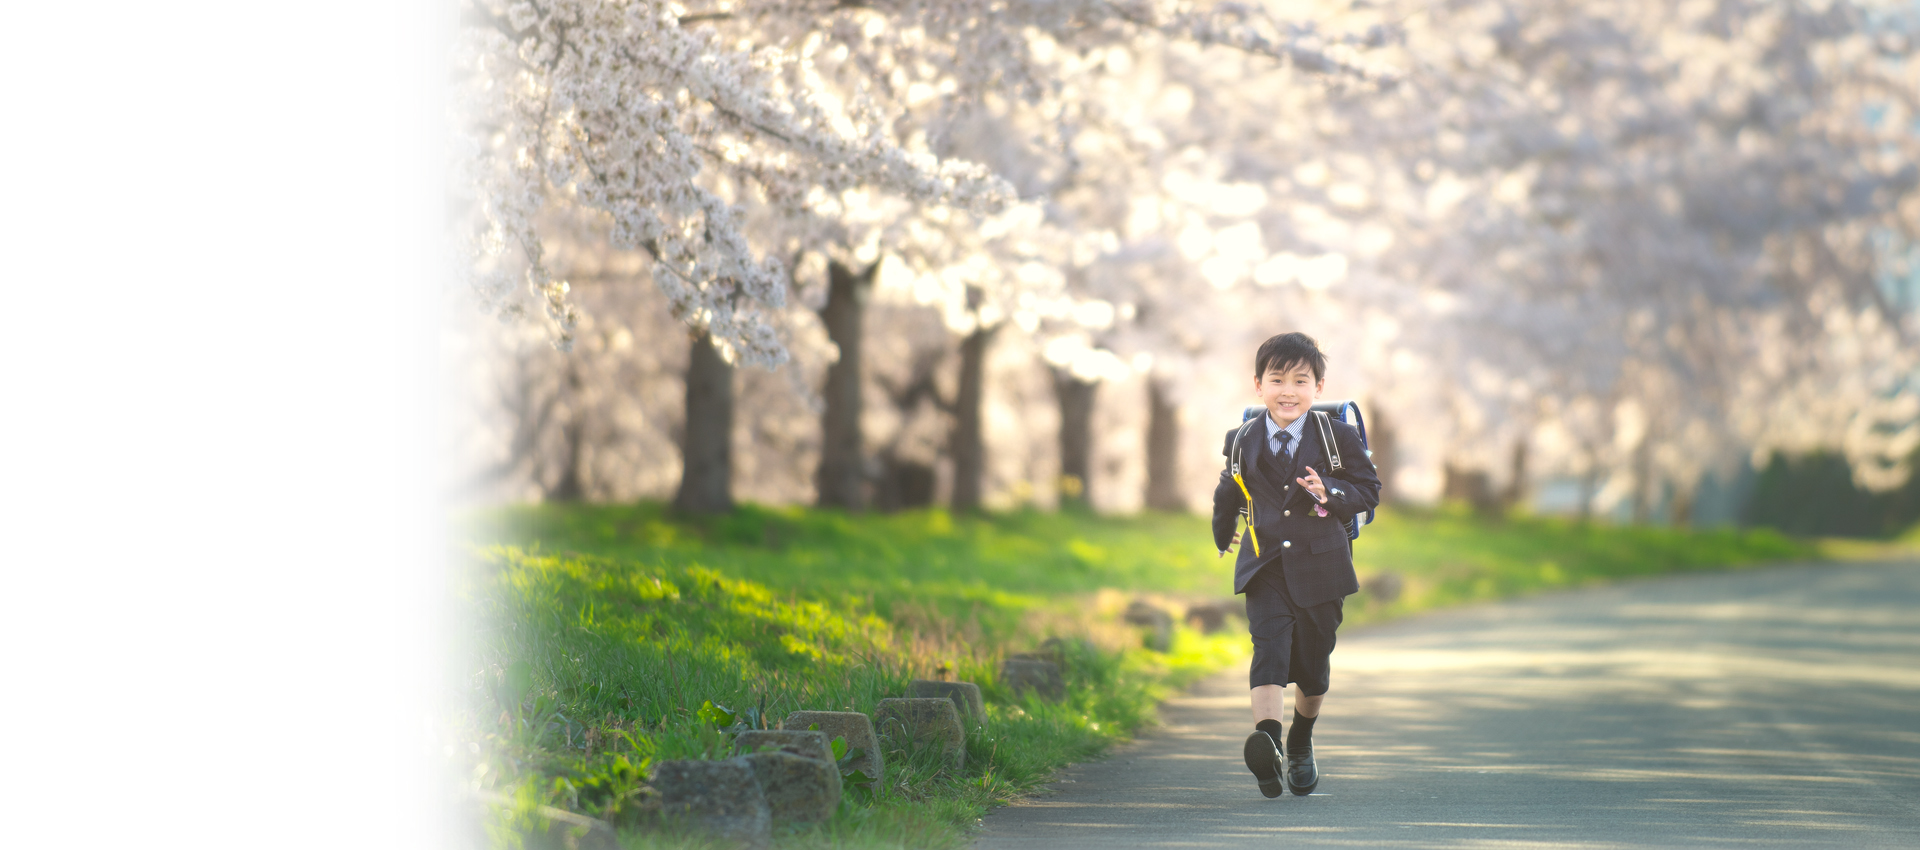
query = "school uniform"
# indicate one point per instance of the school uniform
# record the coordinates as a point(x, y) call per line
point(1297, 583)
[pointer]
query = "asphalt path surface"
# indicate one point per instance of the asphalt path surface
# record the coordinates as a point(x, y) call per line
point(1756, 708)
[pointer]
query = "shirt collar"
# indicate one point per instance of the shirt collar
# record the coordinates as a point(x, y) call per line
point(1298, 427)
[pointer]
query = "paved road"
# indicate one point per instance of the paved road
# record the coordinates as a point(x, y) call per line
point(1752, 709)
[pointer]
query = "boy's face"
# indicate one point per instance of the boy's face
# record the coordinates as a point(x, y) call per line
point(1288, 391)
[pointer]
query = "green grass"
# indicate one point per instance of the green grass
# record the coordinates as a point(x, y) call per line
point(585, 669)
point(1451, 556)
point(601, 632)
point(988, 566)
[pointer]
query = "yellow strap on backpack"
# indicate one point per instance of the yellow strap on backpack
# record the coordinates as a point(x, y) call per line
point(1250, 535)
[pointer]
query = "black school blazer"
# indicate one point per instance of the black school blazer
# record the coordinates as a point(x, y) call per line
point(1313, 550)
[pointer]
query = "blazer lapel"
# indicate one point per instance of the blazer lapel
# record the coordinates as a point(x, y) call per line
point(1260, 464)
point(1307, 453)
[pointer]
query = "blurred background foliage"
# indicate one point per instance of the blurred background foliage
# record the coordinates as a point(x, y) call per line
point(1815, 495)
point(1599, 259)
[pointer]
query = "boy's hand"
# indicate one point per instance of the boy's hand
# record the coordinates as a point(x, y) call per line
point(1313, 485)
point(1235, 542)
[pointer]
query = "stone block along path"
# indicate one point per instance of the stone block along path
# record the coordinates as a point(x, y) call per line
point(1771, 707)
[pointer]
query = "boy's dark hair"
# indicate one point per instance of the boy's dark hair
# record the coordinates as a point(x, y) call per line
point(1286, 351)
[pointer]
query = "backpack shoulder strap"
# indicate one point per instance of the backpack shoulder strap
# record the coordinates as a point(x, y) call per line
point(1233, 456)
point(1326, 438)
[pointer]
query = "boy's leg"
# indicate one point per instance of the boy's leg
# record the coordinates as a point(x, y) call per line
point(1270, 624)
point(1311, 663)
point(1303, 705)
point(1269, 702)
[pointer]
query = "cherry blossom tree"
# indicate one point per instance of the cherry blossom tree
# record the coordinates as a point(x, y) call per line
point(622, 109)
point(1633, 211)
point(1631, 242)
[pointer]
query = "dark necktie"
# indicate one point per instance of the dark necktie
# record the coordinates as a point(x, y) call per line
point(1285, 437)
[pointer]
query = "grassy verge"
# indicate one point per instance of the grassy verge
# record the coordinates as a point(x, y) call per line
point(1905, 547)
point(1451, 556)
point(602, 634)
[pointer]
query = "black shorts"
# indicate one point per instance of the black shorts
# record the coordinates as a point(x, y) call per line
point(1290, 643)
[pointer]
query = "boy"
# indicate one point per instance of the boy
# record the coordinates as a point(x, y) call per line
point(1297, 567)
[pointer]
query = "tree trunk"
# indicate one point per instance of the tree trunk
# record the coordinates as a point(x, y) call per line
point(1589, 486)
point(1076, 436)
point(1516, 476)
point(1681, 513)
point(903, 484)
point(969, 444)
point(1380, 441)
point(1381, 444)
point(706, 451)
point(840, 480)
point(1643, 480)
point(572, 484)
point(1163, 452)
point(1469, 485)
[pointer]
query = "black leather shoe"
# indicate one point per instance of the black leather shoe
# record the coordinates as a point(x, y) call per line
point(1263, 758)
point(1302, 774)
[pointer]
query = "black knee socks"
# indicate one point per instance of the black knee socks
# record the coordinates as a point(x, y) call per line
point(1301, 735)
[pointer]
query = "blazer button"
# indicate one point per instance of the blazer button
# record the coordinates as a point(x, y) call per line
point(1286, 544)
point(1286, 513)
